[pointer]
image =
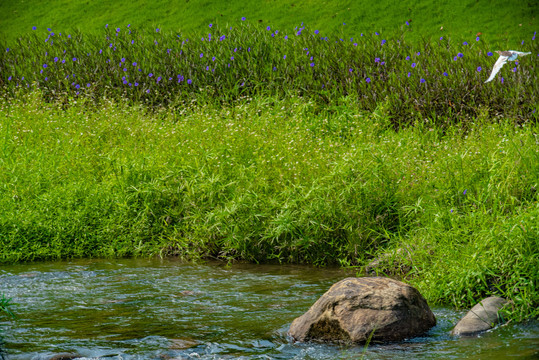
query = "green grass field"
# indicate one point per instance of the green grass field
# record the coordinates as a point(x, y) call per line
point(502, 23)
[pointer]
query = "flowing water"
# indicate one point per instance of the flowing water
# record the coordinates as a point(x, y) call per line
point(165, 309)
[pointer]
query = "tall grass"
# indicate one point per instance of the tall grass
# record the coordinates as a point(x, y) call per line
point(442, 81)
point(5, 310)
point(274, 179)
point(5, 306)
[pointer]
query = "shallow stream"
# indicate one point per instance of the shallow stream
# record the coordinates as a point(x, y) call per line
point(165, 309)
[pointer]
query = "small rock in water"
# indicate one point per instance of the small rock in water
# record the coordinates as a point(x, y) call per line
point(182, 343)
point(481, 317)
point(64, 356)
point(354, 309)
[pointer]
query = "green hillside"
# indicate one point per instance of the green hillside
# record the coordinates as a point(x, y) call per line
point(498, 20)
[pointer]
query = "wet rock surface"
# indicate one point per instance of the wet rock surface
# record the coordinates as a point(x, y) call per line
point(481, 317)
point(353, 309)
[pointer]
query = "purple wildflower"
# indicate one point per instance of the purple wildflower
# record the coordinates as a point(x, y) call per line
point(243, 18)
point(460, 55)
point(33, 27)
point(422, 80)
point(478, 68)
point(368, 80)
point(189, 81)
point(150, 74)
point(489, 54)
point(445, 74)
point(413, 65)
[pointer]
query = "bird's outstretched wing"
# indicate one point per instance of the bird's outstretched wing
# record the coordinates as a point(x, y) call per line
point(497, 66)
point(520, 53)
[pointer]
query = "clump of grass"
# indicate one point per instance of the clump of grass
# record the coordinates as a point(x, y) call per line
point(441, 81)
point(5, 310)
point(274, 179)
point(5, 306)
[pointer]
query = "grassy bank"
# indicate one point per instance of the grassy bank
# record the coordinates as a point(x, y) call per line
point(273, 179)
point(503, 23)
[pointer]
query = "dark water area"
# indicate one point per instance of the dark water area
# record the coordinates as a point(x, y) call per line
point(165, 309)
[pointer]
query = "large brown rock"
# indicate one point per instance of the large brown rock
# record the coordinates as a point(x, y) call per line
point(481, 317)
point(354, 308)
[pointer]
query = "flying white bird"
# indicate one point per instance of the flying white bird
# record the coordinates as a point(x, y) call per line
point(505, 56)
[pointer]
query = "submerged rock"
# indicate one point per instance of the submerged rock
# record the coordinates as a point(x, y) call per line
point(481, 317)
point(355, 308)
point(64, 356)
